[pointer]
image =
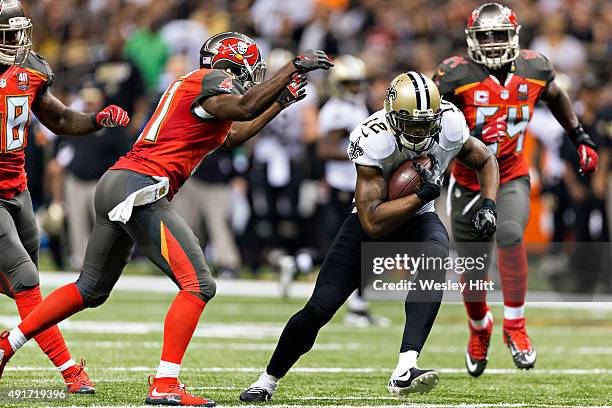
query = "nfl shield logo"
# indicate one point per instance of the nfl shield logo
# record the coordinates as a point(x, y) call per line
point(504, 94)
point(2, 83)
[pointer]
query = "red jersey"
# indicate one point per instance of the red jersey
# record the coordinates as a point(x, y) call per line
point(180, 134)
point(482, 98)
point(19, 87)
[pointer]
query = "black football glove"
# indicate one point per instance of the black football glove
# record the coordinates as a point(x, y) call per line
point(312, 60)
point(295, 91)
point(484, 221)
point(430, 183)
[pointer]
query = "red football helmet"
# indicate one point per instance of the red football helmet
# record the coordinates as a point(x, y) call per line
point(493, 35)
point(234, 52)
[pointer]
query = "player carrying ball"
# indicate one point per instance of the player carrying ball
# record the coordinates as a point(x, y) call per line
point(497, 87)
point(195, 116)
point(415, 122)
point(25, 82)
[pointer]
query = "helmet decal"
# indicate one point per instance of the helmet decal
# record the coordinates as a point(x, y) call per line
point(238, 51)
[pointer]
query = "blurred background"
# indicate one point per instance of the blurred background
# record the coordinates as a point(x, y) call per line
point(275, 204)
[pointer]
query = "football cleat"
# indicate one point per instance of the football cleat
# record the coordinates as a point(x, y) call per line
point(476, 356)
point(519, 343)
point(413, 380)
point(169, 391)
point(6, 351)
point(79, 382)
point(255, 394)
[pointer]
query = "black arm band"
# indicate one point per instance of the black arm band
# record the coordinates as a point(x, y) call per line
point(487, 202)
point(94, 122)
point(578, 136)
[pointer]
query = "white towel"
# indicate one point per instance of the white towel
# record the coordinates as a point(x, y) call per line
point(123, 211)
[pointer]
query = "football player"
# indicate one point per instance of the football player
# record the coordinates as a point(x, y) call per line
point(344, 111)
point(25, 82)
point(415, 122)
point(194, 116)
point(496, 86)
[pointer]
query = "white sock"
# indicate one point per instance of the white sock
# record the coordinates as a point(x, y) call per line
point(407, 360)
point(168, 370)
point(267, 381)
point(66, 365)
point(482, 323)
point(16, 339)
point(514, 312)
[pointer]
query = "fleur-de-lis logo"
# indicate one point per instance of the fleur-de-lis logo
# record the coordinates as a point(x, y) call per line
point(391, 92)
point(355, 150)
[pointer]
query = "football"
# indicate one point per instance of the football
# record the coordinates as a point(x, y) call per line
point(405, 180)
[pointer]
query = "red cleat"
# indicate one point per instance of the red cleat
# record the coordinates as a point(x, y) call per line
point(519, 343)
point(168, 391)
point(476, 357)
point(78, 382)
point(6, 351)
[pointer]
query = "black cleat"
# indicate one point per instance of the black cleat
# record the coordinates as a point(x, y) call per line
point(414, 380)
point(255, 394)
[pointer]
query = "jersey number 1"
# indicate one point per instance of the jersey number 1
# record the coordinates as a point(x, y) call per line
point(152, 130)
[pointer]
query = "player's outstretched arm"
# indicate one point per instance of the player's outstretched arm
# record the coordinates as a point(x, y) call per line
point(240, 132)
point(377, 217)
point(560, 105)
point(260, 97)
point(475, 155)
point(62, 120)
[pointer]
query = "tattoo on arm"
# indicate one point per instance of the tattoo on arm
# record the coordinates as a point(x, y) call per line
point(475, 155)
point(60, 119)
point(376, 216)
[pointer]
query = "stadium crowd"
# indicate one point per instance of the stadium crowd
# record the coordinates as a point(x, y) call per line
point(274, 197)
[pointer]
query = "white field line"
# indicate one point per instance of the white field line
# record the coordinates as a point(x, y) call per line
point(330, 370)
point(262, 331)
point(416, 405)
point(155, 345)
point(298, 290)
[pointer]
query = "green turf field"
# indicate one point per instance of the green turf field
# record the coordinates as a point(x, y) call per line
point(348, 367)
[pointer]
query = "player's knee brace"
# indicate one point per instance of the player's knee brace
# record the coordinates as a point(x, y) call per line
point(23, 275)
point(509, 233)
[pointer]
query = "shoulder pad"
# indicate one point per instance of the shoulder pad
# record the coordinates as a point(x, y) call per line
point(456, 72)
point(533, 65)
point(454, 131)
point(373, 137)
point(39, 66)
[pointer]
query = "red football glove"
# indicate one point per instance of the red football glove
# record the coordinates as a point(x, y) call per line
point(589, 159)
point(112, 116)
point(494, 131)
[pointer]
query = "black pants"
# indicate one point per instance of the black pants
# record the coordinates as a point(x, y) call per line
point(19, 243)
point(160, 232)
point(340, 275)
